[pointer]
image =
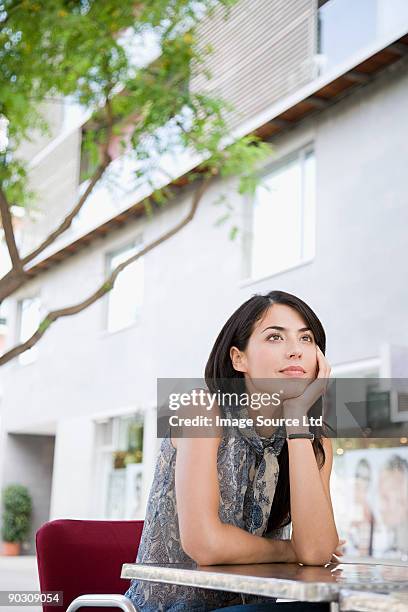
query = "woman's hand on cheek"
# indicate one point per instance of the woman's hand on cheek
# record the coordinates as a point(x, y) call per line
point(299, 406)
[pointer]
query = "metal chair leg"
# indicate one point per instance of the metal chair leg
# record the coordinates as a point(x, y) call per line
point(105, 601)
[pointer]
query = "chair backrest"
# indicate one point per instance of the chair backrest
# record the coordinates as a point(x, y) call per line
point(85, 557)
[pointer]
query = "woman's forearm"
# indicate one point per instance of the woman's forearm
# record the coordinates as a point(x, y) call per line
point(230, 544)
point(314, 531)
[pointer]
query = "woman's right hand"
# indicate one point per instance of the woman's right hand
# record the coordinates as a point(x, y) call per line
point(298, 407)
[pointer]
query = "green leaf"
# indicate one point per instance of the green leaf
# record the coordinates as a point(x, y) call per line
point(49, 50)
point(223, 219)
point(44, 325)
point(233, 232)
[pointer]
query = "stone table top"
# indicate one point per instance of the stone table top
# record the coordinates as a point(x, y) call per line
point(281, 580)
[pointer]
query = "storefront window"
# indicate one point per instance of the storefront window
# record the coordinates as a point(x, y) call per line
point(120, 466)
point(369, 483)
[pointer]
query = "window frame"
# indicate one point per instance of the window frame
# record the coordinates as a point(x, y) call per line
point(31, 356)
point(300, 154)
point(137, 241)
point(103, 454)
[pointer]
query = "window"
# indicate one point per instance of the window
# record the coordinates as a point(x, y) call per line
point(125, 299)
point(119, 467)
point(345, 27)
point(29, 320)
point(282, 228)
point(366, 470)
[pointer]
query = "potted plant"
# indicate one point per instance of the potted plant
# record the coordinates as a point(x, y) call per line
point(17, 508)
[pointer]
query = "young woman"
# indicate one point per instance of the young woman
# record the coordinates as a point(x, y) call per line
point(231, 497)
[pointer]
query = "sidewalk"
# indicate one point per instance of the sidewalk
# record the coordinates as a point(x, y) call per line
point(19, 574)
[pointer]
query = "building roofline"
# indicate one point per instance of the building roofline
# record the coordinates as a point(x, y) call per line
point(286, 113)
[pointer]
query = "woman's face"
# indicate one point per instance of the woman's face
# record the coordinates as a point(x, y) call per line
point(280, 340)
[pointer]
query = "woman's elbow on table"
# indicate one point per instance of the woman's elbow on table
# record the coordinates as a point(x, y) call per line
point(201, 547)
point(202, 554)
point(204, 557)
point(314, 556)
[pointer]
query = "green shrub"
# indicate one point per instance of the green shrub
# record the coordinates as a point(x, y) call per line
point(17, 508)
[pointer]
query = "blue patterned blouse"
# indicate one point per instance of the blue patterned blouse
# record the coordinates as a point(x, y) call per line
point(248, 471)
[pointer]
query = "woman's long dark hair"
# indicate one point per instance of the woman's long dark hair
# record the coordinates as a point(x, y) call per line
point(236, 332)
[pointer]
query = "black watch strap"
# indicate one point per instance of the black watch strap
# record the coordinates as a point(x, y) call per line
point(309, 435)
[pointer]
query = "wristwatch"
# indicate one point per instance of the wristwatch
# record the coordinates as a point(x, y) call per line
point(309, 435)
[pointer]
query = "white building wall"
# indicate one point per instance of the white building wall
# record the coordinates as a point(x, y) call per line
point(195, 280)
point(72, 485)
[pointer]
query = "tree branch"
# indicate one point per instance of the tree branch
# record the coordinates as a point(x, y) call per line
point(9, 234)
point(66, 223)
point(108, 284)
point(12, 280)
point(106, 160)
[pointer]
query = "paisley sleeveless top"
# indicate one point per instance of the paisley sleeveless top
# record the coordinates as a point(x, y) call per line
point(248, 471)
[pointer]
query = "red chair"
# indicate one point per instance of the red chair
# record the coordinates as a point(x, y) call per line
point(84, 558)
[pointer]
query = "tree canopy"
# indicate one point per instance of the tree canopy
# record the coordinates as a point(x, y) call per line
point(91, 53)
